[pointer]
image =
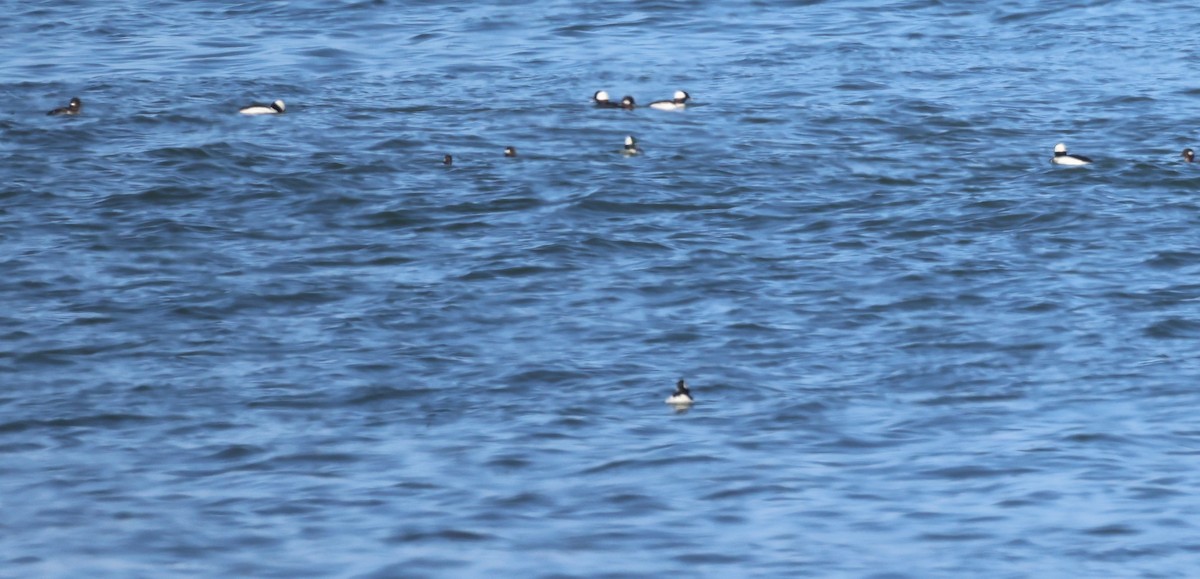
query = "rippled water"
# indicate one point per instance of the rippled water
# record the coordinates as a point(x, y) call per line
point(301, 346)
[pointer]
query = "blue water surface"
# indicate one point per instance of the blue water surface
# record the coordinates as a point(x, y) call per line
point(299, 345)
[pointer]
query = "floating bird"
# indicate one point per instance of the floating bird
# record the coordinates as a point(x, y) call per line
point(1188, 155)
point(676, 104)
point(631, 147)
point(447, 160)
point(257, 109)
point(601, 99)
point(1062, 158)
point(626, 103)
point(72, 108)
point(510, 151)
point(682, 395)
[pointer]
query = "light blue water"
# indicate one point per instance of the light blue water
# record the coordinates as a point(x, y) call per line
point(299, 345)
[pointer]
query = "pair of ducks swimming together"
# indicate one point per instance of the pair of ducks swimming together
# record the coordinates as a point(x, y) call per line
point(76, 106)
point(508, 152)
point(1061, 157)
point(631, 148)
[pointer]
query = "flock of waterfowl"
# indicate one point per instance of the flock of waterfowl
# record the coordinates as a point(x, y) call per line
point(682, 397)
point(601, 100)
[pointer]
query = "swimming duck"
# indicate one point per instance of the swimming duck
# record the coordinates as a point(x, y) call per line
point(1062, 158)
point(257, 109)
point(602, 100)
point(72, 108)
point(676, 104)
point(631, 147)
point(682, 395)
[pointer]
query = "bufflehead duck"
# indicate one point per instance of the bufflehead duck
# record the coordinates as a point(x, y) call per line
point(601, 99)
point(1062, 158)
point(447, 160)
point(677, 104)
point(631, 147)
point(1188, 155)
point(682, 395)
point(510, 151)
point(626, 103)
point(257, 109)
point(72, 108)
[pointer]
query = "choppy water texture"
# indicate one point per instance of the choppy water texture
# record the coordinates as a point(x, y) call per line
point(301, 346)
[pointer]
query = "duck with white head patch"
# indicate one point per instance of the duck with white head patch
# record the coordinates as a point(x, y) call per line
point(631, 147)
point(627, 103)
point(676, 104)
point(1062, 158)
point(259, 109)
point(72, 108)
point(682, 395)
point(1188, 155)
point(602, 100)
